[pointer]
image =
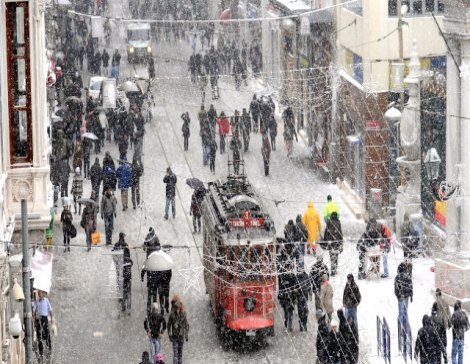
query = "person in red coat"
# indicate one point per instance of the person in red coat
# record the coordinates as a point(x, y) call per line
point(224, 128)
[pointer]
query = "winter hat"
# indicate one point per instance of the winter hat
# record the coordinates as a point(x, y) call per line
point(329, 198)
point(159, 357)
point(325, 277)
point(77, 170)
point(438, 292)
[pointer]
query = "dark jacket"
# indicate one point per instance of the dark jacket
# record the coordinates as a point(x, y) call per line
point(124, 176)
point(437, 324)
point(265, 147)
point(323, 332)
point(137, 172)
point(151, 242)
point(370, 238)
point(301, 232)
point(66, 219)
point(95, 174)
point(170, 180)
point(287, 285)
point(403, 283)
point(349, 340)
point(351, 294)
point(304, 292)
point(196, 209)
point(334, 346)
point(428, 345)
point(155, 324)
point(333, 238)
point(109, 177)
point(316, 274)
point(157, 280)
point(459, 322)
point(178, 326)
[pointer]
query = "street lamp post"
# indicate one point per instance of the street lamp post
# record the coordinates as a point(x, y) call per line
point(393, 117)
point(28, 340)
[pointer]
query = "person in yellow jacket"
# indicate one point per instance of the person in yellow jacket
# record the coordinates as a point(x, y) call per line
point(311, 220)
point(330, 207)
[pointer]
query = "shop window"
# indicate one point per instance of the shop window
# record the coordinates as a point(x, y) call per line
point(19, 82)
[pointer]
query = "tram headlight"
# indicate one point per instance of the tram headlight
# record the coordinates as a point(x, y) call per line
point(131, 50)
point(249, 304)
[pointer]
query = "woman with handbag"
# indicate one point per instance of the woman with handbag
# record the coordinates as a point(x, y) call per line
point(66, 219)
point(88, 222)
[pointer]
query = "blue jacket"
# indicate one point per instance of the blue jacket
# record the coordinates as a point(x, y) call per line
point(124, 175)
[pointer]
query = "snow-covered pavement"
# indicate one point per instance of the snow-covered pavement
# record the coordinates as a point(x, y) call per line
point(89, 328)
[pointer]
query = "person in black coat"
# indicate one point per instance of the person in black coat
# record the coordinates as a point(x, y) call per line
point(351, 299)
point(304, 294)
point(460, 324)
point(286, 295)
point(349, 339)
point(370, 238)
point(96, 176)
point(301, 234)
point(126, 272)
point(438, 326)
point(334, 344)
point(155, 326)
point(151, 242)
point(212, 154)
point(185, 129)
point(428, 346)
point(323, 332)
point(170, 192)
point(333, 239)
point(255, 111)
point(196, 212)
point(158, 284)
point(403, 292)
point(316, 277)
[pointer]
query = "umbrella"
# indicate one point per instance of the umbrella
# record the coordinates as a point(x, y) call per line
point(195, 183)
point(158, 261)
point(85, 200)
point(60, 112)
point(89, 135)
point(129, 86)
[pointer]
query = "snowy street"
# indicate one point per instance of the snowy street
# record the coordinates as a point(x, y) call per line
point(90, 329)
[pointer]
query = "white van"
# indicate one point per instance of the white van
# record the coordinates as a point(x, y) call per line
point(138, 42)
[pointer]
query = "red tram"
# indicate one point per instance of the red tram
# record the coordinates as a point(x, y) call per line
point(239, 258)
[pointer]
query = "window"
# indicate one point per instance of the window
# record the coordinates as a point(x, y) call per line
point(19, 82)
point(417, 7)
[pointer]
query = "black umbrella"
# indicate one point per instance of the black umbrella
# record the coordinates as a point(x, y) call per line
point(195, 183)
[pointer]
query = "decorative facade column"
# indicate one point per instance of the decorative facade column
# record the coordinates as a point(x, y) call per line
point(409, 195)
point(452, 274)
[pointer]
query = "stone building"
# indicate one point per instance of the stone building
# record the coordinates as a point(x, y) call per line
point(24, 145)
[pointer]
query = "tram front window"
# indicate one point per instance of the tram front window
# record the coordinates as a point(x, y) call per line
point(250, 264)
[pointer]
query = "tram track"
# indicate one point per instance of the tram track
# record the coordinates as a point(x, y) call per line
point(229, 356)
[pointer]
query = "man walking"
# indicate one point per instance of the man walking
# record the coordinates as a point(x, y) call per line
point(460, 324)
point(351, 299)
point(108, 213)
point(42, 309)
point(304, 293)
point(254, 109)
point(137, 172)
point(96, 176)
point(404, 293)
point(170, 191)
point(265, 151)
point(124, 176)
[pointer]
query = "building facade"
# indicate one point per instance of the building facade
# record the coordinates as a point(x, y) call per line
point(24, 146)
point(366, 32)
